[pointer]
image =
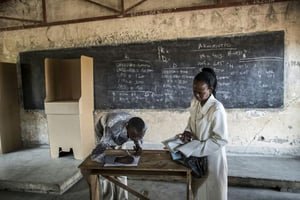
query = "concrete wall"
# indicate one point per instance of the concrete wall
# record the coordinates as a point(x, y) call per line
point(257, 131)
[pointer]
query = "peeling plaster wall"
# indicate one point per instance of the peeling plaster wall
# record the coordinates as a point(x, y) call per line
point(262, 131)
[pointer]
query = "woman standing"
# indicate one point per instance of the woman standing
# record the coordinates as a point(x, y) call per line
point(207, 127)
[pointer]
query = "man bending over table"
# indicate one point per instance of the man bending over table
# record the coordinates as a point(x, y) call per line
point(112, 131)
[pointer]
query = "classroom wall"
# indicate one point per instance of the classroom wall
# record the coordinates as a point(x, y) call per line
point(251, 131)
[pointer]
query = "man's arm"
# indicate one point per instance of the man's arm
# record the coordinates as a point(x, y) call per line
point(124, 159)
point(98, 152)
point(128, 159)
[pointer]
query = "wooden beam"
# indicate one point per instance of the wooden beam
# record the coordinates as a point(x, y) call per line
point(44, 11)
point(125, 187)
point(122, 7)
point(20, 19)
point(135, 5)
point(104, 6)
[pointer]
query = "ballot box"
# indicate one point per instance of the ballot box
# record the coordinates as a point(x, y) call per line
point(69, 105)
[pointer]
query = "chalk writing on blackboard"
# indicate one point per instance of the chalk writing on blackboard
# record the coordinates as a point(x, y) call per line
point(159, 74)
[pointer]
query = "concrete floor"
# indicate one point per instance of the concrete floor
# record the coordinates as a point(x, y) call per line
point(175, 191)
point(33, 170)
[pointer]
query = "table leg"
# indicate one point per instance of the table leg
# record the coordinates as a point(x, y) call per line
point(188, 186)
point(93, 183)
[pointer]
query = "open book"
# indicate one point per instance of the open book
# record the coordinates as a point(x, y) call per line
point(171, 144)
point(178, 148)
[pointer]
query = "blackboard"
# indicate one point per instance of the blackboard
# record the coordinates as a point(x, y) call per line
point(159, 74)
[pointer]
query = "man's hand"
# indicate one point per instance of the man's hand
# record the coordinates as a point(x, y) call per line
point(124, 159)
point(138, 149)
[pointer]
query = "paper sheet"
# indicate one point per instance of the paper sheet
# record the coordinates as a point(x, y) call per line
point(188, 148)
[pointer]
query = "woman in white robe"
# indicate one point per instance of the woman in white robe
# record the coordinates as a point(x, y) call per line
point(206, 134)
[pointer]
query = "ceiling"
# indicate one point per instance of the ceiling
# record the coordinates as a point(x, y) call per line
point(22, 14)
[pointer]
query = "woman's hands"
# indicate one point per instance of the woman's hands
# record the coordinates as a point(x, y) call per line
point(186, 136)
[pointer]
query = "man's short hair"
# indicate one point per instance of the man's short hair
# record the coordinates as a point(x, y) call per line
point(137, 123)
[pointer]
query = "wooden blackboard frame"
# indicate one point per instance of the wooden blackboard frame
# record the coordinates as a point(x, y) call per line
point(159, 74)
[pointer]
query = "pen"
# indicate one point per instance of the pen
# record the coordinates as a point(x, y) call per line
point(128, 153)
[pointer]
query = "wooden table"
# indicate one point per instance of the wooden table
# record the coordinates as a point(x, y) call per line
point(152, 164)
